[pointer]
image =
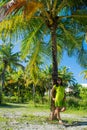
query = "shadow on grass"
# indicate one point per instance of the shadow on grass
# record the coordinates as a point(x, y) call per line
point(69, 124)
point(76, 123)
point(11, 105)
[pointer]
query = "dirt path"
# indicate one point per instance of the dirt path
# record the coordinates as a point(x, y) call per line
point(13, 121)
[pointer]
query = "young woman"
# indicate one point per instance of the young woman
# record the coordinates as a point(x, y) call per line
point(59, 99)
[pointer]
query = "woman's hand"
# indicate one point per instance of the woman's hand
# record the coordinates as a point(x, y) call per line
point(53, 99)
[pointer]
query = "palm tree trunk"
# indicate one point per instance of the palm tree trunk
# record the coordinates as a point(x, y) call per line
point(2, 84)
point(3, 73)
point(3, 78)
point(55, 64)
point(34, 94)
point(54, 54)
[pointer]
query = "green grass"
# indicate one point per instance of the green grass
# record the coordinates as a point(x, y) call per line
point(32, 119)
point(30, 107)
point(28, 113)
point(80, 112)
point(24, 108)
point(2, 119)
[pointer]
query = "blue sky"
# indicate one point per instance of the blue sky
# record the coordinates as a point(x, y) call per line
point(70, 62)
point(74, 67)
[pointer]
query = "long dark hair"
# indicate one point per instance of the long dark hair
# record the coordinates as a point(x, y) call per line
point(59, 78)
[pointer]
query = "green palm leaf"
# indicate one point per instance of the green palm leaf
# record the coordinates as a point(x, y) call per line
point(28, 41)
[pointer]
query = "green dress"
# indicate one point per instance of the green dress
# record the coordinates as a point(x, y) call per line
point(59, 98)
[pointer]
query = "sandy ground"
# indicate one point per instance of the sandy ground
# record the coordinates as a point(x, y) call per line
point(13, 124)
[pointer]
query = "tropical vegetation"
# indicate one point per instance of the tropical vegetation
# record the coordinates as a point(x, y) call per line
point(62, 22)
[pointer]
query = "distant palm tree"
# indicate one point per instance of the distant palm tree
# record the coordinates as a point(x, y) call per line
point(84, 73)
point(7, 58)
point(66, 75)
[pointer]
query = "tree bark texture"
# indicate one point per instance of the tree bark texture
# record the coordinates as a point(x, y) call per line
point(55, 65)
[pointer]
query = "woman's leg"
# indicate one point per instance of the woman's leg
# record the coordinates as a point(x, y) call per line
point(63, 109)
point(58, 113)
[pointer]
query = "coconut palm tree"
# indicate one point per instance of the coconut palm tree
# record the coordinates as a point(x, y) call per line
point(8, 58)
point(62, 20)
point(66, 75)
point(84, 73)
point(56, 16)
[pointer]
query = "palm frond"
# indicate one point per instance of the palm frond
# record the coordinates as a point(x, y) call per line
point(69, 36)
point(54, 8)
point(48, 4)
point(60, 51)
point(9, 27)
point(82, 56)
point(26, 44)
point(9, 7)
point(34, 63)
point(19, 65)
point(55, 4)
point(77, 16)
point(14, 6)
point(81, 18)
point(61, 6)
point(84, 72)
point(35, 55)
point(31, 8)
point(76, 4)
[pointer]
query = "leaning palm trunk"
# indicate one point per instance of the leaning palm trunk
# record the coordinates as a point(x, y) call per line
point(3, 78)
point(2, 84)
point(54, 54)
point(55, 64)
point(34, 94)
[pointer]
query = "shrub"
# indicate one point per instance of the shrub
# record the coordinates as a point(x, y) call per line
point(83, 104)
point(12, 99)
point(83, 93)
point(72, 102)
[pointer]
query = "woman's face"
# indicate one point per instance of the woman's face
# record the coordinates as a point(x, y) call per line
point(59, 81)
